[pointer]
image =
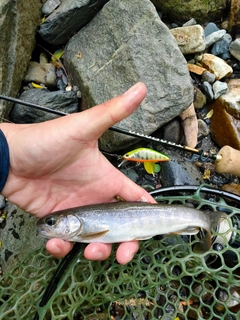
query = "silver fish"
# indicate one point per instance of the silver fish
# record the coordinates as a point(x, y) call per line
point(126, 221)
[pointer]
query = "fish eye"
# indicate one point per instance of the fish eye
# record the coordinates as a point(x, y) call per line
point(50, 221)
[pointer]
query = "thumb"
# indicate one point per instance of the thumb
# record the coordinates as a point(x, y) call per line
point(109, 113)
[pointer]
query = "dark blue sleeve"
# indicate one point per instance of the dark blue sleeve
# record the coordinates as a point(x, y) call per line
point(4, 160)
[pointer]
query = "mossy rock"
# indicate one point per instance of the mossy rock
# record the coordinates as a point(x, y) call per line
point(183, 10)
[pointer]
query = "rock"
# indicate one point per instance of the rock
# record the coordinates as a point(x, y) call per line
point(207, 89)
point(208, 76)
point(68, 19)
point(173, 131)
point(130, 173)
point(116, 53)
point(50, 6)
point(65, 101)
point(41, 73)
point(190, 22)
point(190, 126)
point(219, 88)
point(18, 236)
point(195, 69)
point(202, 11)
point(214, 37)
point(179, 171)
point(221, 47)
point(2, 202)
point(18, 25)
point(220, 40)
point(210, 28)
point(234, 48)
point(189, 39)
point(203, 128)
point(216, 65)
point(223, 126)
point(234, 18)
point(231, 100)
point(199, 99)
point(232, 187)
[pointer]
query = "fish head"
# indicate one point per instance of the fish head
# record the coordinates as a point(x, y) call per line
point(59, 226)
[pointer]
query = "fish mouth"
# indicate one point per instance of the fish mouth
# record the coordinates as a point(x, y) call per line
point(43, 231)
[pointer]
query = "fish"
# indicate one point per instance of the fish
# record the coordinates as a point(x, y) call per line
point(127, 221)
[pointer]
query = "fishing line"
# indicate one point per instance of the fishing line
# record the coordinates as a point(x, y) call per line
point(202, 154)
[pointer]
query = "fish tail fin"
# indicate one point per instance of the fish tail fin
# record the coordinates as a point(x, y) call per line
point(216, 217)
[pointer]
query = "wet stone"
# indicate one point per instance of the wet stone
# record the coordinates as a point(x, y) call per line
point(231, 100)
point(207, 89)
point(208, 76)
point(221, 47)
point(210, 28)
point(203, 128)
point(50, 6)
point(68, 19)
point(190, 39)
point(224, 127)
point(179, 171)
point(219, 88)
point(65, 101)
point(199, 99)
point(234, 18)
point(216, 65)
point(214, 37)
point(235, 48)
point(41, 73)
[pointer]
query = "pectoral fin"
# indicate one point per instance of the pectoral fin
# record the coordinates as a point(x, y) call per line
point(94, 235)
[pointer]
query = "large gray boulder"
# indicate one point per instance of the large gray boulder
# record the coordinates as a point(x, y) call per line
point(18, 26)
point(123, 44)
point(68, 18)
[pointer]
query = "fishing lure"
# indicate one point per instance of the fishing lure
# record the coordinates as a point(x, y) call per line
point(148, 156)
point(144, 155)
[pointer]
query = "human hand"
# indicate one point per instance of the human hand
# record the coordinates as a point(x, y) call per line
point(56, 165)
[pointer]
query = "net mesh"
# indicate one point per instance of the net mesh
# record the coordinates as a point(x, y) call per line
point(165, 280)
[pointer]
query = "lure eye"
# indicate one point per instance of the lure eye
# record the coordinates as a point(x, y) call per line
point(51, 221)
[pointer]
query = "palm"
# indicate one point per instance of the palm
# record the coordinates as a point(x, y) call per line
point(57, 164)
point(69, 171)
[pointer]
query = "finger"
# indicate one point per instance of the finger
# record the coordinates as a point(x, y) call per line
point(130, 191)
point(97, 251)
point(115, 110)
point(58, 247)
point(126, 251)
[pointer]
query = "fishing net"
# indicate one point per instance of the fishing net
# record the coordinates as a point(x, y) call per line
point(165, 280)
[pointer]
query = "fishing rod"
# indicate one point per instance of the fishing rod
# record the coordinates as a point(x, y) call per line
point(202, 154)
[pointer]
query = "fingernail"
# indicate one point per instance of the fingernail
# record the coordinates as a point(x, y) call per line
point(133, 89)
